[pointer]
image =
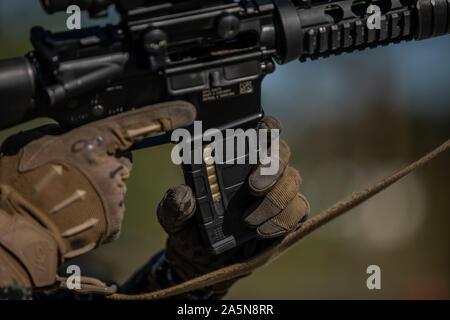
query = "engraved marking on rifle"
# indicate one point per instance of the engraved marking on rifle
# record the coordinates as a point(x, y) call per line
point(211, 173)
point(235, 90)
point(115, 110)
point(55, 171)
point(77, 252)
point(79, 117)
point(217, 94)
point(80, 228)
point(246, 87)
point(153, 127)
point(77, 196)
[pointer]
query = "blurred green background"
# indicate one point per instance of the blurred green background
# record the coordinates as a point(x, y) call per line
point(350, 120)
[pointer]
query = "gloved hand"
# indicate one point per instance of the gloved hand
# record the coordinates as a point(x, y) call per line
point(280, 212)
point(61, 195)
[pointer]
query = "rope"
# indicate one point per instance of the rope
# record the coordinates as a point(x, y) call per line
point(242, 268)
point(89, 285)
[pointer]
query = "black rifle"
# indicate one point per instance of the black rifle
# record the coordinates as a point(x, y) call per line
point(214, 54)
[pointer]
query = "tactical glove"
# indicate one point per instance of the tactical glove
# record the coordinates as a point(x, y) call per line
point(61, 194)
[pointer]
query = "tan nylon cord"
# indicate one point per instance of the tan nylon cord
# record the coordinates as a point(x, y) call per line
point(309, 226)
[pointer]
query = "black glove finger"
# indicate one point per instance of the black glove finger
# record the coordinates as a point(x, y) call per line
point(259, 183)
point(277, 199)
point(176, 208)
point(288, 220)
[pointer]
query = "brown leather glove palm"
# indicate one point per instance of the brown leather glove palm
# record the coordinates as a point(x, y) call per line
point(61, 195)
point(280, 212)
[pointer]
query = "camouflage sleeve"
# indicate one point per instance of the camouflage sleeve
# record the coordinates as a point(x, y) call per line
point(16, 292)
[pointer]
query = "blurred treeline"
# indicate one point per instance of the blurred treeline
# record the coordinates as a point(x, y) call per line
point(350, 121)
